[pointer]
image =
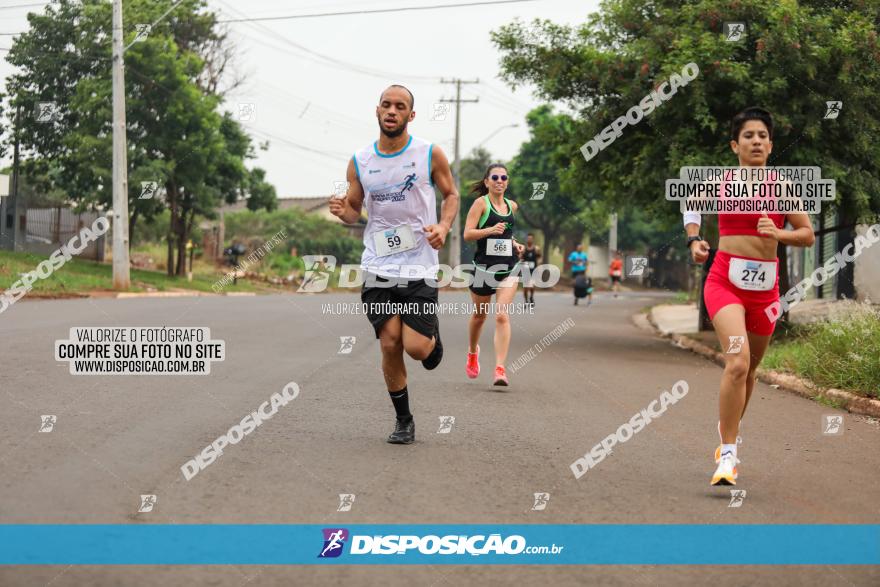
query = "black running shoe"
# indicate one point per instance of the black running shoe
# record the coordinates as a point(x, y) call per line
point(404, 431)
point(436, 355)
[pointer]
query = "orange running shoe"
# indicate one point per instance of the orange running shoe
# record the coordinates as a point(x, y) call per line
point(725, 474)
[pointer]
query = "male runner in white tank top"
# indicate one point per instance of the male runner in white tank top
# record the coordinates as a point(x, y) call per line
point(396, 176)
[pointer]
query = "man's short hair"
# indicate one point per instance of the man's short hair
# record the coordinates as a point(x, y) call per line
point(412, 99)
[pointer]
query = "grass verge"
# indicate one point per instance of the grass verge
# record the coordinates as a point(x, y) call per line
point(842, 353)
point(80, 277)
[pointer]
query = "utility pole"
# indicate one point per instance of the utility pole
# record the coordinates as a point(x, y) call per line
point(121, 277)
point(455, 234)
point(612, 237)
point(11, 206)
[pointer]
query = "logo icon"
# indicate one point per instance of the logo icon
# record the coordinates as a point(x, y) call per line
point(148, 190)
point(46, 111)
point(833, 109)
point(541, 500)
point(47, 423)
point(439, 111)
point(143, 30)
point(832, 425)
point(539, 190)
point(346, 344)
point(340, 189)
point(318, 271)
point(737, 496)
point(734, 31)
point(346, 500)
point(446, 424)
point(334, 540)
point(247, 111)
point(409, 179)
point(147, 503)
point(637, 266)
point(736, 344)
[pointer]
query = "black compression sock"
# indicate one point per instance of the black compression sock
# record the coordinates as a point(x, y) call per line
point(400, 399)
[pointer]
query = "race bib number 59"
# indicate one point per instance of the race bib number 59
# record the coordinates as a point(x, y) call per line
point(394, 240)
point(752, 275)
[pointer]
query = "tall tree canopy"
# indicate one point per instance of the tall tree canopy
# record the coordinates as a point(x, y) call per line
point(174, 85)
point(794, 57)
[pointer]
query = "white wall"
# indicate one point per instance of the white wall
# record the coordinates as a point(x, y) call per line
point(599, 261)
point(867, 271)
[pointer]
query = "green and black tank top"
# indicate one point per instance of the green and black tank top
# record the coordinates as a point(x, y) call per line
point(496, 249)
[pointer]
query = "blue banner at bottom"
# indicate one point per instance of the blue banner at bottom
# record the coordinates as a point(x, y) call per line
point(604, 544)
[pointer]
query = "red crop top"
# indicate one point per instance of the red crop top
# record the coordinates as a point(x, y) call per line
point(730, 224)
point(747, 224)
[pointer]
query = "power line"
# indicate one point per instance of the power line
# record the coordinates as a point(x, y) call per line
point(330, 154)
point(332, 116)
point(33, 4)
point(496, 102)
point(375, 11)
point(509, 97)
point(317, 57)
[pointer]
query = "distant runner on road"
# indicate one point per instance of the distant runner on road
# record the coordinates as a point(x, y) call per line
point(615, 272)
point(579, 263)
point(530, 257)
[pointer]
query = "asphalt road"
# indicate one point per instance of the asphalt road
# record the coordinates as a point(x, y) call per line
point(117, 437)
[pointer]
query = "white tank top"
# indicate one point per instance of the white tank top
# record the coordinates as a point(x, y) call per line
point(398, 191)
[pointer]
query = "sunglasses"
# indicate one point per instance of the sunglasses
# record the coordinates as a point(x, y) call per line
point(497, 177)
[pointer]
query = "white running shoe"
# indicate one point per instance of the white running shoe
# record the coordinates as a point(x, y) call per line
point(726, 472)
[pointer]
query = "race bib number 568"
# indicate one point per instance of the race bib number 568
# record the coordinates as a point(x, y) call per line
point(499, 247)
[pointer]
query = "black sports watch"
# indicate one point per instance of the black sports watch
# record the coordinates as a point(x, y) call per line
point(691, 239)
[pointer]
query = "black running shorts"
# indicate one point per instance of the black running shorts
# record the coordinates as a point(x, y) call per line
point(415, 303)
point(481, 281)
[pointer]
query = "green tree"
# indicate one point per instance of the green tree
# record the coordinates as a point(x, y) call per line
point(794, 58)
point(568, 210)
point(473, 167)
point(176, 136)
point(261, 193)
point(308, 233)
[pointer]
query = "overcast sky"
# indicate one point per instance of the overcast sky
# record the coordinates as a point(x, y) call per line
point(315, 82)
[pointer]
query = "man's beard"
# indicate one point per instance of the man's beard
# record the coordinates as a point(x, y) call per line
point(392, 134)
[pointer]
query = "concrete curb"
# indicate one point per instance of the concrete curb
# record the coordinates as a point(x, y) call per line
point(112, 295)
point(177, 294)
point(123, 295)
point(792, 383)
